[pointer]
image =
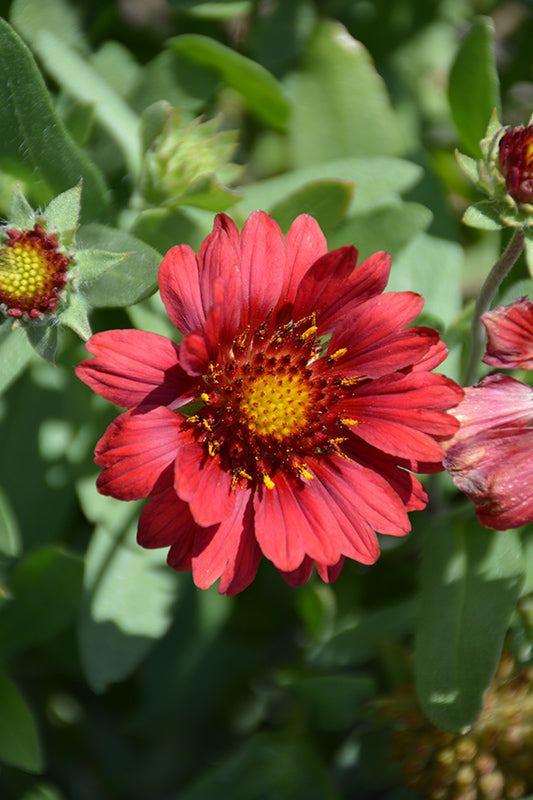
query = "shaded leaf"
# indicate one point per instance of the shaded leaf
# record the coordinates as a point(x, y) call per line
point(10, 540)
point(21, 748)
point(44, 594)
point(471, 579)
point(15, 353)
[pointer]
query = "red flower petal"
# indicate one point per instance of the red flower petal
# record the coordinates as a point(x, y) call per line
point(166, 520)
point(510, 335)
point(293, 521)
point(179, 285)
point(228, 550)
point(400, 414)
point(300, 575)
point(133, 368)
point(304, 244)
point(334, 287)
point(375, 339)
point(201, 482)
point(262, 264)
point(498, 401)
point(135, 451)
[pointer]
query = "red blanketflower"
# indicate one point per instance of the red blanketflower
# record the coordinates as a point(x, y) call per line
point(515, 159)
point(489, 458)
point(510, 335)
point(310, 401)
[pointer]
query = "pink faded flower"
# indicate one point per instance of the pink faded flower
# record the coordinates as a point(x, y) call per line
point(490, 458)
point(510, 335)
point(310, 400)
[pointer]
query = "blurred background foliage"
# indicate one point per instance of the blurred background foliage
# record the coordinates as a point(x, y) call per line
point(120, 680)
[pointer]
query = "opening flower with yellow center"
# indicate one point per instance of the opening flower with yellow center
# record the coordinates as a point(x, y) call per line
point(33, 273)
point(310, 403)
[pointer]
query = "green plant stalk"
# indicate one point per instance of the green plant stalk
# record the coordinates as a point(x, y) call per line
point(499, 271)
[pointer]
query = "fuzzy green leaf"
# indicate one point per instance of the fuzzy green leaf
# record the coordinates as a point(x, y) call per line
point(134, 278)
point(63, 211)
point(75, 316)
point(471, 579)
point(483, 215)
point(34, 140)
point(474, 89)
point(20, 214)
point(15, 353)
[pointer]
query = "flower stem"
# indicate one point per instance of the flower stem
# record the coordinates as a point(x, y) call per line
point(499, 271)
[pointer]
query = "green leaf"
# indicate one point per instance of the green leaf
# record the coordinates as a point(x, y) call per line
point(483, 215)
point(44, 595)
point(19, 742)
point(16, 353)
point(326, 199)
point(471, 579)
point(134, 278)
point(30, 17)
point(207, 193)
point(82, 82)
point(91, 264)
point(263, 94)
point(341, 106)
point(216, 9)
point(63, 211)
point(127, 604)
point(378, 181)
point(10, 540)
point(34, 139)
point(389, 228)
point(44, 338)
point(162, 228)
point(334, 700)
point(20, 214)
point(474, 90)
point(75, 316)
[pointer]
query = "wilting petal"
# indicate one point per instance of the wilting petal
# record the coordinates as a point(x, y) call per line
point(133, 368)
point(510, 335)
point(498, 401)
point(495, 470)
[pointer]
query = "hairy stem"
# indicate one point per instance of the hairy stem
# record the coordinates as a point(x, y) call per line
point(500, 269)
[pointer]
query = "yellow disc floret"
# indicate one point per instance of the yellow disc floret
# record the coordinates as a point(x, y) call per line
point(276, 406)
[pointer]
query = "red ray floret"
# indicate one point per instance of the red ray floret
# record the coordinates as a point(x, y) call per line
point(510, 335)
point(311, 397)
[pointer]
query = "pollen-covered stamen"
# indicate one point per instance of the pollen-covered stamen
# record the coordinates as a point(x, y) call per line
point(33, 273)
point(271, 403)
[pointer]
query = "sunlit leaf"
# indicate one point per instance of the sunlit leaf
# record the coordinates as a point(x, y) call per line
point(471, 579)
point(341, 106)
point(263, 94)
